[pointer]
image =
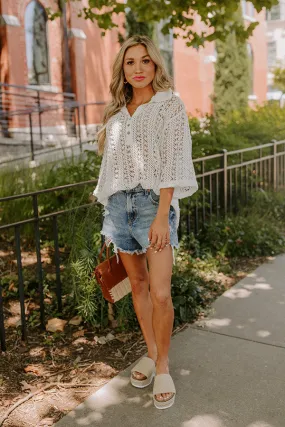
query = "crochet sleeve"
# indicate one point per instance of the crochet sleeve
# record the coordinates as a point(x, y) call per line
point(177, 168)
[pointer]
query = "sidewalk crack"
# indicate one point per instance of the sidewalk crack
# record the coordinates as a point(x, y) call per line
point(234, 336)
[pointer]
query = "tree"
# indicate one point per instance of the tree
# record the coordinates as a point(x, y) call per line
point(134, 26)
point(232, 80)
point(279, 78)
point(179, 15)
point(279, 82)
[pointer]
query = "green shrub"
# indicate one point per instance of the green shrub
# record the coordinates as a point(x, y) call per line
point(257, 230)
point(237, 130)
point(243, 237)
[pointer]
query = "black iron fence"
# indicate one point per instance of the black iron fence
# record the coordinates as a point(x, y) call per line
point(225, 180)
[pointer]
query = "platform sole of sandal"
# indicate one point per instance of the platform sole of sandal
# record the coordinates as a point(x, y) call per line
point(142, 383)
point(164, 405)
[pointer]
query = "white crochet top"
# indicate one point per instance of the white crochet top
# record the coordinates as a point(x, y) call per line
point(152, 147)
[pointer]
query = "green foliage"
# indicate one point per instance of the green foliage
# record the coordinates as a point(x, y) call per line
point(134, 26)
point(71, 170)
point(180, 16)
point(244, 236)
point(186, 290)
point(232, 77)
point(279, 78)
point(193, 287)
point(237, 130)
point(255, 231)
point(84, 240)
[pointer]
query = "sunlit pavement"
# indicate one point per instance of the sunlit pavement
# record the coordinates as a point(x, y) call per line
point(229, 370)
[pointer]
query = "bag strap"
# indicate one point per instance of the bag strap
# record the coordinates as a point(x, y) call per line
point(102, 250)
point(108, 255)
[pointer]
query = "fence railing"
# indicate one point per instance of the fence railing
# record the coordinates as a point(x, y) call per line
point(37, 119)
point(225, 180)
point(16, 99)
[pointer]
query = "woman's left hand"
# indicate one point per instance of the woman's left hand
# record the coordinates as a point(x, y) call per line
point(159, 233)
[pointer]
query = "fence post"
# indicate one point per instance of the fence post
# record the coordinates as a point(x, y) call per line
point(274, 164)
point(40, 114)
point(2, 328)
point(31, 136)
point(79, 130)
point(224, 184)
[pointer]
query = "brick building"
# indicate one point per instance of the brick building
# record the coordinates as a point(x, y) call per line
point(275, 47)
point(71, 56)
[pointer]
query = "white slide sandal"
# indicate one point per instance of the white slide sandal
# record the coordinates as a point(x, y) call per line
point(145, 366)
point(163, 383)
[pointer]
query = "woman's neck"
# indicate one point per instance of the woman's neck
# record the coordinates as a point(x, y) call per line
point(141, 95)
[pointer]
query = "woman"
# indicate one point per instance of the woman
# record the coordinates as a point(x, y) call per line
point(146, 167)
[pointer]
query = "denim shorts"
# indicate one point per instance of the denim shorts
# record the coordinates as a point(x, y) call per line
point(128, 216)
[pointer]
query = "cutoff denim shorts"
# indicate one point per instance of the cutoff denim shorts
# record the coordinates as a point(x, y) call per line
point(128, 216)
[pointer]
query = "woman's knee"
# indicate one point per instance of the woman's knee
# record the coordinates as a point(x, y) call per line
point(140, 284)
point(161, 297)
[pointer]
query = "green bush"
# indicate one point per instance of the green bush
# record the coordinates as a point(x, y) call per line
point(257, 229)
point(242, 237)
point(237, 130)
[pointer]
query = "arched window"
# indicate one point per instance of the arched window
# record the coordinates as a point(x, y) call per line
point(36, 44)
point(251, 69)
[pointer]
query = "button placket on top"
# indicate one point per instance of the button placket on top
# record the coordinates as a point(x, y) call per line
point(129, 131)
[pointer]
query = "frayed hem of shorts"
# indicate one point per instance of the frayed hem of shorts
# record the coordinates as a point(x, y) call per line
point(116, 248)
point(136, 251)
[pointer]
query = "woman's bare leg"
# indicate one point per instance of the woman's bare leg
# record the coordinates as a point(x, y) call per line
point(136, 268)
point(160, 272)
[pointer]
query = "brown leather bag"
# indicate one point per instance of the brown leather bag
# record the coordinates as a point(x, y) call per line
point(112, 277)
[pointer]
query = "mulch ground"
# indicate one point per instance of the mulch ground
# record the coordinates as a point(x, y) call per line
point(43, 378)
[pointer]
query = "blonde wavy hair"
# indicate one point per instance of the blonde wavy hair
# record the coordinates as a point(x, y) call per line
point(122, 93)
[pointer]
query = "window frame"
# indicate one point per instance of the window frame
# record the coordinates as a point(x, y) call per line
point(28, 26)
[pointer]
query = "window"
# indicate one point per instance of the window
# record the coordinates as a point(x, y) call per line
point(274, 13)
point(251, 69)
point(271, 54)
point(243, 5)
point(36, 44)
point(165, 44)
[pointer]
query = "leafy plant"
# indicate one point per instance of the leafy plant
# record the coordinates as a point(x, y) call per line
point(179, 16)
point(257, 230)
point(232, 78)
point(237, 130)
point(279, 78)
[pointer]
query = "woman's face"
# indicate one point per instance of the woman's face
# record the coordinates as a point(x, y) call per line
point(138, 66)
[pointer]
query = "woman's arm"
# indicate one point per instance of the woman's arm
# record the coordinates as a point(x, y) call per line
point(159, 233)
point(164, 201)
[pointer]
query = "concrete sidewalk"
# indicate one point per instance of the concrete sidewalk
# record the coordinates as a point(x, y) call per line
point(229, 370)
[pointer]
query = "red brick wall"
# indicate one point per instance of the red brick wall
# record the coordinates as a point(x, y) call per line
point(97, 54)
point(194, 78)
point(92, 58)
